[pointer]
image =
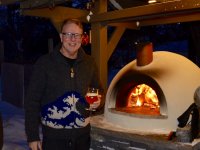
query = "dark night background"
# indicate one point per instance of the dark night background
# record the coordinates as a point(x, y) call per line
point(26, 38)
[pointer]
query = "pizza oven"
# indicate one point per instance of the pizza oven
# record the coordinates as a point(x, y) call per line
point(151, 92)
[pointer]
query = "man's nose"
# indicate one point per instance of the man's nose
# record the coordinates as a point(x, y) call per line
point(73, 37)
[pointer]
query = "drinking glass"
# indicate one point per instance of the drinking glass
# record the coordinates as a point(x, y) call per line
point(92, 96)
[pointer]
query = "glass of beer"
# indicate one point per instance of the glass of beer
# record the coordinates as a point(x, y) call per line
point(92, 96)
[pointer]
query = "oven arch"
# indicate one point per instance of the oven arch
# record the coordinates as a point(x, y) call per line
point(130, 80)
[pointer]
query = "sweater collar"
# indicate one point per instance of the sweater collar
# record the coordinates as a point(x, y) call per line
point(59, 57)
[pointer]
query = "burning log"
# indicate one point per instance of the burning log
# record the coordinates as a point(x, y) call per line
point(143, 95)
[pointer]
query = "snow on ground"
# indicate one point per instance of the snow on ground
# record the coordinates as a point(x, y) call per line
point(13, 127)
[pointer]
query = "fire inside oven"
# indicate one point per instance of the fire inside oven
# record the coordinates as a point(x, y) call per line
point(139, 94)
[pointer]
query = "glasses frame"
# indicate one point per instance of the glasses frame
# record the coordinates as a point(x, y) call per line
point(69, 35)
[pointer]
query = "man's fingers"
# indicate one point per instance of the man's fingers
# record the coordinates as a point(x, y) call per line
point(95, 104)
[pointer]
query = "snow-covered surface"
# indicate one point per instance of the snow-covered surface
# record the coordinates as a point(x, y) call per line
point(14, 133)
point(13, 127)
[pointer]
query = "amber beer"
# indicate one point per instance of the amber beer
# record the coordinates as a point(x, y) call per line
point(91, 97)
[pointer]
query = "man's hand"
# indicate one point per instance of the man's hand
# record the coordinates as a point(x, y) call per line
point(35, 145)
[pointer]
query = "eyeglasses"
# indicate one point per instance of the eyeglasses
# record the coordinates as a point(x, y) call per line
point(70, 35)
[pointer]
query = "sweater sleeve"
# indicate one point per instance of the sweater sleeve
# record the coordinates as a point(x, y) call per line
point(32, 102)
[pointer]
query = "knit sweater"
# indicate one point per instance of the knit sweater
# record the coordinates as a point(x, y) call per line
point(55, 96)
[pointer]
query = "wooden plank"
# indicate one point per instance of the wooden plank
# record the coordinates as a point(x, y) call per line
point(136, 24)
point(171, 19)
point(58, 13)
point(129, 25)
point(148, 10)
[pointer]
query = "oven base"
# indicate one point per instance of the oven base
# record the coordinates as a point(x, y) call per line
point(112, 139)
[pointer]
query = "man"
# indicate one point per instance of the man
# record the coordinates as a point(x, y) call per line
point(56, 95)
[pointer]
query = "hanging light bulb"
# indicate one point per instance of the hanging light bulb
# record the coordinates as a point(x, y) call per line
point(137, 23)
point(89, 7)
point(89, 16)
point(152, 1)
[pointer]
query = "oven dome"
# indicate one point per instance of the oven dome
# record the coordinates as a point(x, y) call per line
point(177, 76)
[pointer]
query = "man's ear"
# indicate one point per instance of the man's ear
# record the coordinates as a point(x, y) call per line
point(61, 37)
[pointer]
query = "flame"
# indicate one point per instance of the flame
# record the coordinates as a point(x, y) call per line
point(138, 102)
point(143, 95)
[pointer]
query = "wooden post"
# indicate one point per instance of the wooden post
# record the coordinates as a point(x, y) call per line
point(99, 42)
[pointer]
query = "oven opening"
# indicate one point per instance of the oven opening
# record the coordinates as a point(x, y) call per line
point(142, 99)
point(140, 95)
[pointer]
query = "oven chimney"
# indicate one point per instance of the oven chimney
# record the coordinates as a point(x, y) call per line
point(144, 54)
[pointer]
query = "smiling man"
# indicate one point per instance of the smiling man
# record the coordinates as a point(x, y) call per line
point(71, 38)
point(56, 95)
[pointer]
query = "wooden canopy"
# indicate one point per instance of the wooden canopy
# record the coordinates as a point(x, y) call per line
point(133, 18)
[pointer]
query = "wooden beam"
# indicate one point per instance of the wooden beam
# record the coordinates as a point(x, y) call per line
point(140, 12)
point(136, 24)
point(57, 24)
point(116, 36)
point(99, 42)
point(128, 25)
point(58, 14)
point(171, 19)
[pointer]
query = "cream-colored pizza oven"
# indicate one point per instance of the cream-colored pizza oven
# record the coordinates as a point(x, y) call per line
point(151, 92)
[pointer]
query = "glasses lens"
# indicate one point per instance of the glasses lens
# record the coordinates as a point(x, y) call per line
point(72, 35)
point(77, 36)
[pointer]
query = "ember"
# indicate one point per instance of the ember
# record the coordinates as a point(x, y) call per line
point(143, 95)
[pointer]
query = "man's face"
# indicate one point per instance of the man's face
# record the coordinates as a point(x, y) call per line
point(71, 38)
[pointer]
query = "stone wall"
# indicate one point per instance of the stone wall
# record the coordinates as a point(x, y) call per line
point(113, 137)
point(111, 140)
